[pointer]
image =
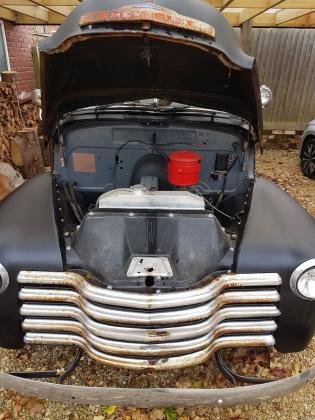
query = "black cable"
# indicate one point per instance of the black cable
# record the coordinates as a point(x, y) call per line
point(117, 158)
point(234, 377)
point(140, 142)
point(52, 373)
point(212, 206)
point(221, 196)
point(72, 202)
point(72, 366)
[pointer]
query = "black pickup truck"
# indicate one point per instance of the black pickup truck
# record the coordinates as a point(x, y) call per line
point(151, 244)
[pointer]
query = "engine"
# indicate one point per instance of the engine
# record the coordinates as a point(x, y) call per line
point(141, 237)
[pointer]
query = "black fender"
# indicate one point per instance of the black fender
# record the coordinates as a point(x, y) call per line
point(279, 236)
point(28, 241)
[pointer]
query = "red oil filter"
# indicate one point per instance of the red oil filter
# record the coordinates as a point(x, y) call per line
point(184, 168)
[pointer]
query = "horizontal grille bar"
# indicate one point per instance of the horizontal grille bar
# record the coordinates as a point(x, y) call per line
point(146, 301)
point(137, 334)
point(157, 331)
point(179, 316)
point(156, 364)
point(169, 349)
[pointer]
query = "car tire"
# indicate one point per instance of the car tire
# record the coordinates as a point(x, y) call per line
point(308, 158)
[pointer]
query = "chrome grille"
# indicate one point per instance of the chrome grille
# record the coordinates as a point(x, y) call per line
point(159, 331)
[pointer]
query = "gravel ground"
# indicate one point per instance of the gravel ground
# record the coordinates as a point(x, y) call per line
point(280, 166)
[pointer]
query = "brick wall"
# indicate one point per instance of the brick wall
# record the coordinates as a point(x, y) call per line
point(19, 42)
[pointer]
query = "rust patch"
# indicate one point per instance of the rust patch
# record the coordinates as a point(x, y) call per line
point(158, 333)
point(84, 162)
point(135, 14)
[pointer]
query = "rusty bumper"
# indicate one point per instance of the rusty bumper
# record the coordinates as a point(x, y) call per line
point(157, 397)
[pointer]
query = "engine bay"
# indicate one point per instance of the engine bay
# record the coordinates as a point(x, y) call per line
point(151, 206)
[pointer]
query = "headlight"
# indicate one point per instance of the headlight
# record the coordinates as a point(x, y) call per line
point(266, 95)
point(303, 280)
point(4, 279)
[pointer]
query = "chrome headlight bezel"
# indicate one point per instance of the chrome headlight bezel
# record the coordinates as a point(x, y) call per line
point(297, 275)
point(4, 275)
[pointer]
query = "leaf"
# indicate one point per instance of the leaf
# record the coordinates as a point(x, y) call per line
point(197, 384)
point(279, 373)
point(170, 413)
point(34, 406)
point(108, 410)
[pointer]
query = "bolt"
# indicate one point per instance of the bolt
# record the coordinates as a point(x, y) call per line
point(131, 214)
point(171, 215)
point(220, 401)
point(91, 213)
point(68, 248)
point(232, 249)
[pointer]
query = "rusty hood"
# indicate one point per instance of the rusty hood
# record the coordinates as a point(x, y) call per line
point(110, 51)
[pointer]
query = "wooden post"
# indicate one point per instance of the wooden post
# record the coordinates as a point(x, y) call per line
point(246, 36)
point(8, 76)
point(36, 64)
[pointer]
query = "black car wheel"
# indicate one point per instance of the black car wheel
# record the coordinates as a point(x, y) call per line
point(308, 158)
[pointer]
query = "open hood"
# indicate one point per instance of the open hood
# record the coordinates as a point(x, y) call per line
point(110, 51)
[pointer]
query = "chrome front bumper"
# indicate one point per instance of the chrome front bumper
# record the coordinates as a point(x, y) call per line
point(140, 331)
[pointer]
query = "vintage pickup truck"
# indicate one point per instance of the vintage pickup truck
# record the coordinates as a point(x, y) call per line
point(151, 244)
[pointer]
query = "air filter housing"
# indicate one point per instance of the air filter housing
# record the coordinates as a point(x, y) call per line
point(184, 168)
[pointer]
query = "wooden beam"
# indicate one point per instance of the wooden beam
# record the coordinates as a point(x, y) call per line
point(33, 14)
point(226, 4)
point(297, 4)
point(307, 21)
point(15, 2)
point(269, 20)
point(22, 19)
point(59, 2)
point(233, 18)
point(287, 15)
point(265, 19)
point(60, 10)
point(264, 4)
point(240, 4)
point(31, 11)
point(7, 14)
point(248, 14)
point(43, 3)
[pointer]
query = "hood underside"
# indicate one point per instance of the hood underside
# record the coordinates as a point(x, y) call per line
point(108, 62)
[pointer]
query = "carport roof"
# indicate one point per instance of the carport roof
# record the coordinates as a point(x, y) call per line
point(264, 13)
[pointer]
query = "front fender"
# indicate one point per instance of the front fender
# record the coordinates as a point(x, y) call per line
point(28, 241)
point(279, 236)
